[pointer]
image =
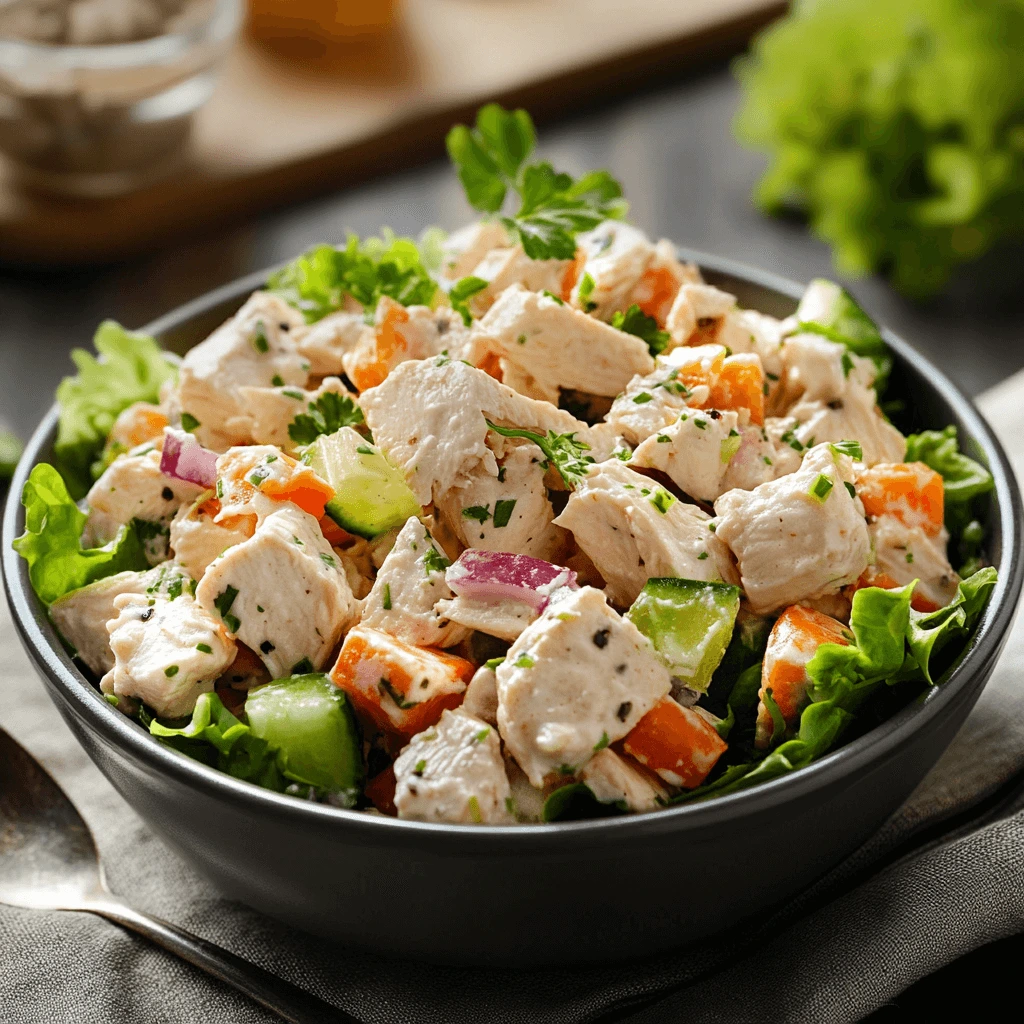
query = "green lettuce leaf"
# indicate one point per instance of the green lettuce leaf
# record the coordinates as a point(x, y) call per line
point(317, 282)
point(963, 478)
point(52, 546)
point(133, 369)
point(216, 737)
point(929, 632)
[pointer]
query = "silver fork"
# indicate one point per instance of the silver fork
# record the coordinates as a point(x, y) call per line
point(48, 861)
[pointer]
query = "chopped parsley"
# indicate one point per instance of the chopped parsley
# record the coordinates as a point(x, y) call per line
point(434, 561)
point(188, 422)
point(562, 451)
point(474, 810)
point(223, 605)
point(329, 413)
point(302, 668)
point(641, 399)
point(664, 439)
point(421, 767)
point(850, 489)
point(702, 556)
point(791, 439)
point(662, 500)
point(462, 291)
point(503, 508)
point(385, 687)
point(365, 449)
point(910, 557)
point(259, 339)
point(847, 363)
point(481, 513)
point(585, 291)
point(851, 448)
point(821, 488)
point(386, 597)
point(328, 560)
point(277, 380)
point(171, 671)
point(602, 742)
point(293, 393)
point(482, 735)
point(204, 648)
point(636, 322)
point(493, 663)
point(552, 296)
point(524, 661)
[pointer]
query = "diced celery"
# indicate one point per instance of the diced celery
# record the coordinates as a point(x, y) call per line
point(689, 622)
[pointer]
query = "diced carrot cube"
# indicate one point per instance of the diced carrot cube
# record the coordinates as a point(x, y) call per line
point(571, 276)
point(491, 365)
point(703, 367)
point(793, 641)
point(305, 489)
point(655, 292)
point(740, 385)
point(378, 354)
point(680, 744)
point(910, 491)
point(401, 688)
point(333, 533)
point(380, 791)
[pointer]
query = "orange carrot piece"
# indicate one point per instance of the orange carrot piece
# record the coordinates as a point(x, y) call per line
point(655, 292)
point(401, 688)
point(376, 359)
point(793, 641)
point(305, 489)
point(702, 370)
point(572, 275)
point(740, 385)
point(870, 577)
point(333, 533)
point(910, 491)
point(680, 744)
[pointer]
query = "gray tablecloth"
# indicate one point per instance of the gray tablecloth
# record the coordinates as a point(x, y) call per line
point(943, 876)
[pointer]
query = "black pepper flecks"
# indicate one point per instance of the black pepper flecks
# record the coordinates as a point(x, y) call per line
point(714, 414)
point(146, 615)
point(167, 494)
point(624, 709)
point(266, 647)
point(601, 637)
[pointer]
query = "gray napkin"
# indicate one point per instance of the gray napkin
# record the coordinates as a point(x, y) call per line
point(940, 878)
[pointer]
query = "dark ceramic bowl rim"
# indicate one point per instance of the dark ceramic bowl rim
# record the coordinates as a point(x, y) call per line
point(871, 748)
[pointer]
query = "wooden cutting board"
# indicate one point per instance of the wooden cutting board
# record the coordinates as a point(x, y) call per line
point(277, 130)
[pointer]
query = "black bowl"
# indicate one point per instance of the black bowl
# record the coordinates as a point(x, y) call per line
point(574, 891)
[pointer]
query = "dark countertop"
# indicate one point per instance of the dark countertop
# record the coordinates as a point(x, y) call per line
point(686, 179)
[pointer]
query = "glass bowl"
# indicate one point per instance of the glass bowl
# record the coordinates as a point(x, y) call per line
point(104, 120)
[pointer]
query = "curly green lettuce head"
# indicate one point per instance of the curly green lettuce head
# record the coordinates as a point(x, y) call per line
point(897, 126)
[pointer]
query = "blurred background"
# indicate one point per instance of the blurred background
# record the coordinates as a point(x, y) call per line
point(151, 150)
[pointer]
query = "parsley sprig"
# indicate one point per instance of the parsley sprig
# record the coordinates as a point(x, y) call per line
point(462, 291)
point(562, 451)
point(553, 206)
point(329, 413)
point(636, 322)
point(318, 281)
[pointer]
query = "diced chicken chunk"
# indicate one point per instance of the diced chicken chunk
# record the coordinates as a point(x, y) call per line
point(503, 619)
point(819, 370)
point(905, 553)
point(577, 679)
point(254, 348)
point(793, 641)
point(561, 347)
point(801, 536)
point(698, 308)
point(853, 417)
point(454, 772)
point(503, 268)
point(632, 529)
point(613, 780)
point(432, 422)
point(465, 249)
point(402, 689)
point(481, 698)
point(197, 538)
point(507, 512)
point(273, 410)
point(323, 344)
point(81, 616)
point(132, 487)
point(695, 451)
point(166, 652)
point(410, 582)
point(282, 593)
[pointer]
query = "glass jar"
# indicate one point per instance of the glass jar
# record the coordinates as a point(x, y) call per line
point(103, 120)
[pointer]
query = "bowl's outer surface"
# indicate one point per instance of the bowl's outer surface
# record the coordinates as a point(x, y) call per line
point(579, 891)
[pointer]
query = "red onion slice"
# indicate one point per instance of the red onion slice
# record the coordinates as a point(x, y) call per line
point(494, 576)
point(184, 458)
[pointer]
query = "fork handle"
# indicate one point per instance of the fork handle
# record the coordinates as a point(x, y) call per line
point(283, 998)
